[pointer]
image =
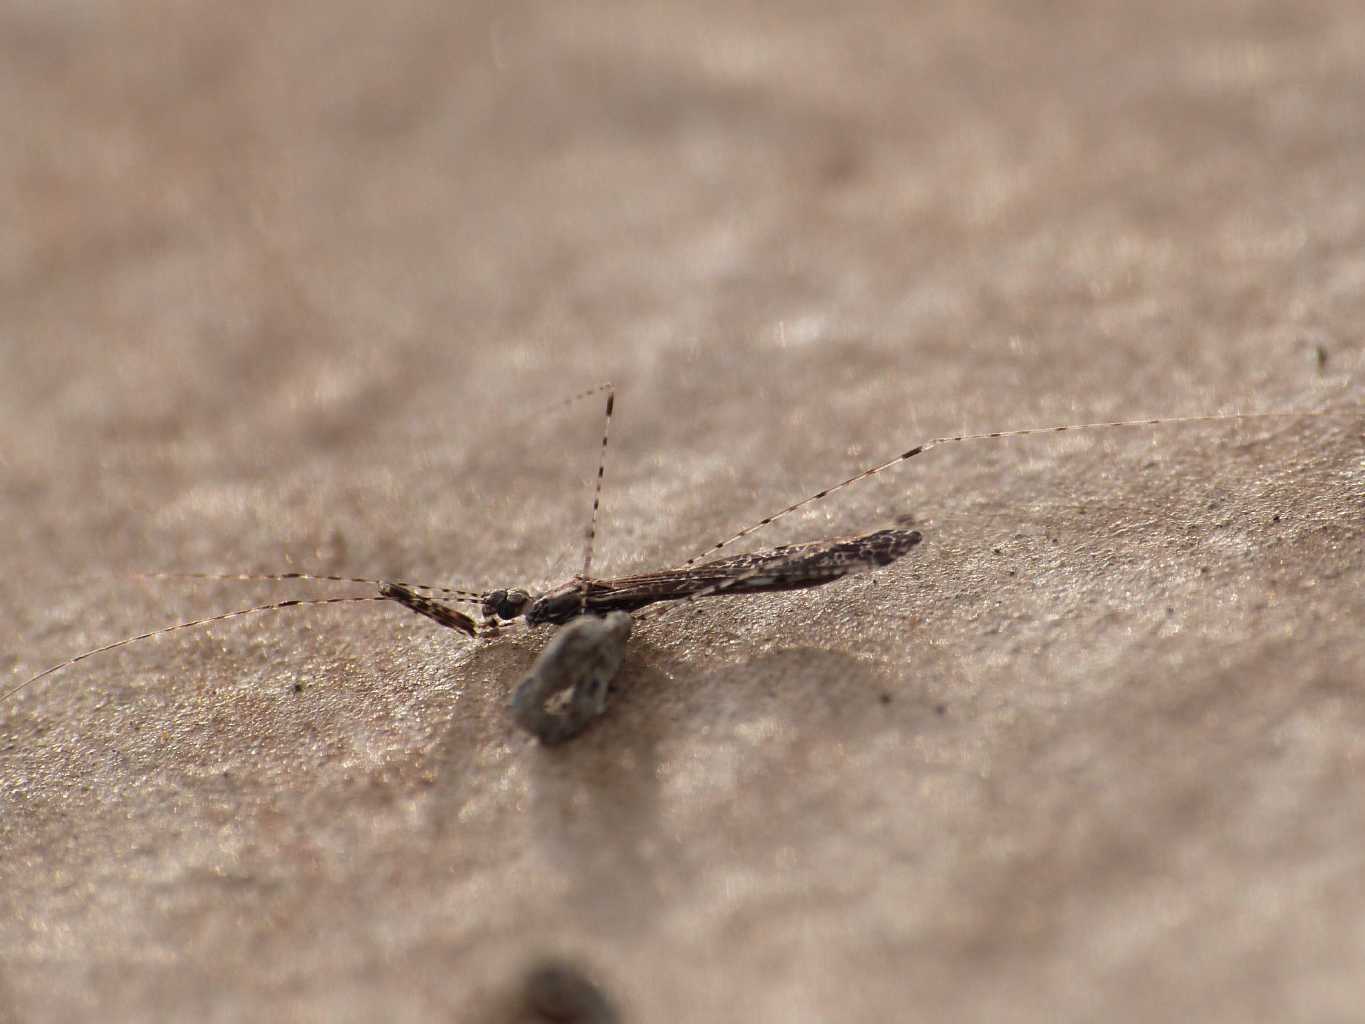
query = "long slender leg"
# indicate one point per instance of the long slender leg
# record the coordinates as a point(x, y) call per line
point(936, 442)
point(401, 592)
point(591, 537)
point(435, 611)
point(596, 389)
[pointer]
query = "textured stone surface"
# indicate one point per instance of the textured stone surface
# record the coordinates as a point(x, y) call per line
point(299, 286)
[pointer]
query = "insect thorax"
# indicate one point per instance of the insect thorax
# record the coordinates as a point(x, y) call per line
point(558, 606)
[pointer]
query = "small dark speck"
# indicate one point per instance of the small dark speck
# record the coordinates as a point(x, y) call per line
point(1170, 611)
point(1203, 570)
point(1275, 518)
point(940, 709)
point(558, 991)
point(996, 551)
point(884, 697)
point(298, 687)
point(1011, 572)
point(1321, 352)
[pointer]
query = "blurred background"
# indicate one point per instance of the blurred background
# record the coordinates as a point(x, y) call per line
point(307, 286)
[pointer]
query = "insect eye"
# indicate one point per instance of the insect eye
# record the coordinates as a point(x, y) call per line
point(505, 604)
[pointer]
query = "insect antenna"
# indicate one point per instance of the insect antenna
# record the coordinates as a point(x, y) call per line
point(451, 593)
point(456, 594)
point(936, 442)
point(275, 606)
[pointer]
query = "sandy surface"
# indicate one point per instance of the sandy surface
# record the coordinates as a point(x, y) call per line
point(301, 288)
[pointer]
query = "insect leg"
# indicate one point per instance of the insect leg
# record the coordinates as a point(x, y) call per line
point(437, 612)
point(936, 442)
point(591, 537)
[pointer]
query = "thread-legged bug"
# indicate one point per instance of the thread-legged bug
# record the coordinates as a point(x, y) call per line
point(568, 684)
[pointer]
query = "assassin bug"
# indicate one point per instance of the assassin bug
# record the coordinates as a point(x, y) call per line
point(596, 613)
